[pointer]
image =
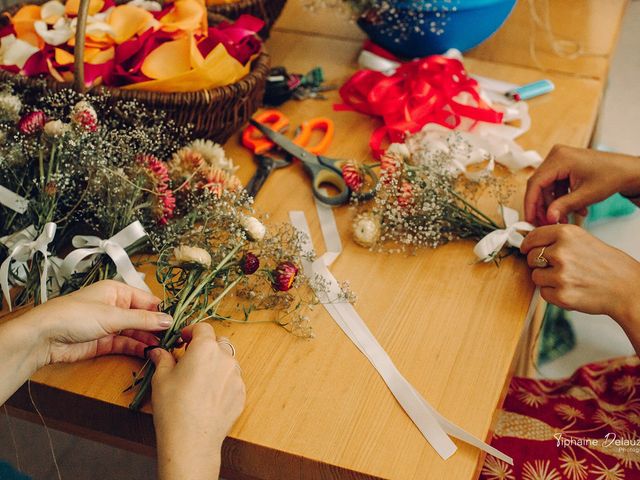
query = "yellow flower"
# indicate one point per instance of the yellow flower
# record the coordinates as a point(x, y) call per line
point(532, 399)
point(568, 413)
point(617, 424)
point(495, 469)
point(573, 468)
point(540, 470)
point(626, 384)
point(605, 473)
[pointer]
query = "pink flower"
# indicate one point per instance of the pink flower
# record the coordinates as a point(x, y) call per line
point(166, 201)
point(352, 175)
point(84, 116)
point(32, 122)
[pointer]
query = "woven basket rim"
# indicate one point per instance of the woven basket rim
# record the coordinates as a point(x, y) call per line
point(169, 98)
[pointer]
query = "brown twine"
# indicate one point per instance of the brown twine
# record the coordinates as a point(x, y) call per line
point(561, 47)
point(46, 429)
point(13, 438)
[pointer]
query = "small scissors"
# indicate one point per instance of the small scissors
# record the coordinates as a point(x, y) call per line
point(321, 169)
point(255, 141)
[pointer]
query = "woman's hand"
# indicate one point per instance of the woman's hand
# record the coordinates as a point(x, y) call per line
point(585, 274)
point(105, 318)
point(571, 179)
point(195, 403)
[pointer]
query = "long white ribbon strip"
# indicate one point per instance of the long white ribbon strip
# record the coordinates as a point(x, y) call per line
point(434, 427)
point(13, 201)
point(487, 248)
point(22, 248)
point(114, 247)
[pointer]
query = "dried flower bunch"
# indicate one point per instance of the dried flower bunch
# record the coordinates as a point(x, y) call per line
point(95, 169)
point(423, 201)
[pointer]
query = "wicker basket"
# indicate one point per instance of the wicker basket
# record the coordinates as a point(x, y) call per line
point(267, 10)
point(215, 113)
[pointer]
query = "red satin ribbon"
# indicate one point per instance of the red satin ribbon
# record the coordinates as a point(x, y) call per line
point(419, 92)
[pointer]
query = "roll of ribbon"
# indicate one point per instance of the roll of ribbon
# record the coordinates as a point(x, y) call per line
point(434, 89)
point(114, 247)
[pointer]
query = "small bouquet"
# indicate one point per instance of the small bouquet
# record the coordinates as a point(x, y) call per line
point(236, 254)
point(423, 201)
point(141, 44)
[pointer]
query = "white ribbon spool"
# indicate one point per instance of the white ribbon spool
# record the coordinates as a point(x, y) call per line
point(22, 248)
point(114, 247)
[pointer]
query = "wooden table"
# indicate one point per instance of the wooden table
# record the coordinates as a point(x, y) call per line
point(593, 25)
point(316, 409)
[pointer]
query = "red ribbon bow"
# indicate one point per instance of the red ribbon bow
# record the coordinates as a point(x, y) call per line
point(421, 91)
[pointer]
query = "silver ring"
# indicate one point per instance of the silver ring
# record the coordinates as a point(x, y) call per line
point(225, 341)
point(541, 261)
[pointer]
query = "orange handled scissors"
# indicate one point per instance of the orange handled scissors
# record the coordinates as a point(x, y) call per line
point(257, 142)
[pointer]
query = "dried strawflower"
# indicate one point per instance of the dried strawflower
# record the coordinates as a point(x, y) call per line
point(217, 180)
point(185, 254)
point(366, 229)
point(184, 163)
point(405, 194)
point(84, 116)
point(253, 227)
point(390, 167)
point(165, 201)
point(353, 176)
point(56, 128)
point(283, 276)
point(10, 106)
point(32, 122)
point(212, 153)
point(249, 263)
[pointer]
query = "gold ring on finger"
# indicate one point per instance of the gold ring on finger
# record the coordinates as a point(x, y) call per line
point(541, 261)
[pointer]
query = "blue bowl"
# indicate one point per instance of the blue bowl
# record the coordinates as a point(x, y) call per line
point(417, 28)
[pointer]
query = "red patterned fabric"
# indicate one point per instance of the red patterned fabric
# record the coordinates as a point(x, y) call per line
point(586, 427)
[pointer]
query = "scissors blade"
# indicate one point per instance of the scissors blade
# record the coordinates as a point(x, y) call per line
point(286, 144)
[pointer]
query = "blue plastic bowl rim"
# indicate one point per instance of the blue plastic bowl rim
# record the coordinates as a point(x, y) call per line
point(438, 5)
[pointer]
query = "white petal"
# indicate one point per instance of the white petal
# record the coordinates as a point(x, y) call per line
point(52, 9)
point(56, 36)
point(16, 52)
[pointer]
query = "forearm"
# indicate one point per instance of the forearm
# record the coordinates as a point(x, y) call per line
point(195, 460)
point(20, 347)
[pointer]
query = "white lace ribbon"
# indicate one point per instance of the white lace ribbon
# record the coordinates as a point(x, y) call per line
point(13, 201)
point(114, 247)
point(433, 426)
point(487, 248)
point(22, 247)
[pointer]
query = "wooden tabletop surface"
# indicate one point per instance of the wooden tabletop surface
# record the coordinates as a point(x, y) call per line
point(589, 27)
point(316, 409)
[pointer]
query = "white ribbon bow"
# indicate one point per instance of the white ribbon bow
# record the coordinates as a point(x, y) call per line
point(22, 248)
point(13, 201)
point(487, 248)
point(114, 247)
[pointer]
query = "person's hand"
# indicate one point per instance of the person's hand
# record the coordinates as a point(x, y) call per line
point(107, 317)
point(195, 403)
point(571, 179)
point(583, 273)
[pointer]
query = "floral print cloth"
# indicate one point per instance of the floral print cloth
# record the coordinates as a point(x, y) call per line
point(586, 427)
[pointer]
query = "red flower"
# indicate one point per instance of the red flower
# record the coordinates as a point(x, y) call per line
point(405, 194)
point(283, 276)
point(84, 116)
point(249, 263)
point(32, 122)
point(166, 201)
point(352, 175)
